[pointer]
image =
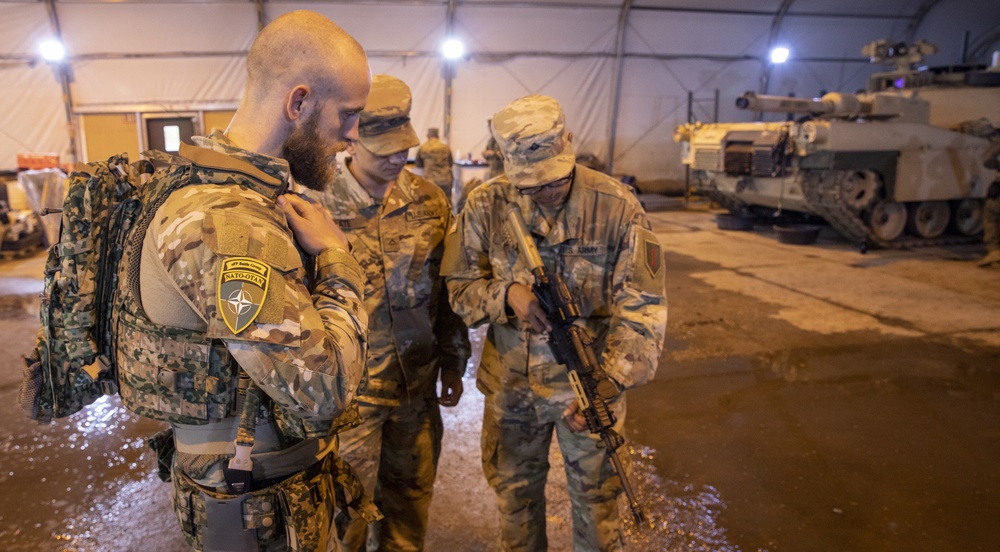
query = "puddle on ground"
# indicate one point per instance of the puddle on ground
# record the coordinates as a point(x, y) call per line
point(680, 517)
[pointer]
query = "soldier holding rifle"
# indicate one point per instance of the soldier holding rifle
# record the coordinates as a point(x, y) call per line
point(591, 231)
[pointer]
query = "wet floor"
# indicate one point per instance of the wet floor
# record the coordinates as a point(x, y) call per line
point(811, 398)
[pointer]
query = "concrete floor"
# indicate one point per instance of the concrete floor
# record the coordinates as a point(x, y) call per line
point(810, 398)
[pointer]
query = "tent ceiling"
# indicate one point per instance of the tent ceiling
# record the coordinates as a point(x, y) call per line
point(624, 69)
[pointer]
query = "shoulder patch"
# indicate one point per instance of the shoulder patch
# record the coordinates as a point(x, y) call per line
point(243, 283)
point(647, 262)
point(652, 255)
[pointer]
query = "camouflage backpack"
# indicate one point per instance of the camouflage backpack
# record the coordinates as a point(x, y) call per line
point(70, 367)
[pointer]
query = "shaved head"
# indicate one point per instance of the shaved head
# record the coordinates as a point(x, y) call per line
point(301, 47)
point(307, 82)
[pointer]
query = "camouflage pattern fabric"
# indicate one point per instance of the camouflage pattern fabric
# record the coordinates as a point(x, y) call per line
point(600, 242)
point(384, 127)
point(295, 514)
point(395, 453)
point(305, 349)
point(399, 244)
point(531, 133)
point(435, 158)
point(413, 335)
point(515, 452)
point(71, 366)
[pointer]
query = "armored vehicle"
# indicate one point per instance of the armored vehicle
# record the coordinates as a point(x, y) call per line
point(907, 162)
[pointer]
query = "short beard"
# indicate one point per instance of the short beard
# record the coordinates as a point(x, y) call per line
point(311, 164)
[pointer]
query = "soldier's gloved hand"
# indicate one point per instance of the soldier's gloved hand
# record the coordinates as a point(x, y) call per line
point(526, 307)
point(574, 420)
point(314, 228)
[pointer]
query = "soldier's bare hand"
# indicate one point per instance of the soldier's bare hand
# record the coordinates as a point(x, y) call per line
point(574, 420)
point(451, 389)
point(314, 228)
point(526, 307)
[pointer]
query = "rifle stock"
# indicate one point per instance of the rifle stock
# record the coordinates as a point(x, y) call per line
point(572, 345)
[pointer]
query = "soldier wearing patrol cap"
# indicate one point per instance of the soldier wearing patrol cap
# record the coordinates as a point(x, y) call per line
point(434, 156)
point(396, 223)
point(592, 230)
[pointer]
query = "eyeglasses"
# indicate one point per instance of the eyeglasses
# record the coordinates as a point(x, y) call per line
point(532, 190)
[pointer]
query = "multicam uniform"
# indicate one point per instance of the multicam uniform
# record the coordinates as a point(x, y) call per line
point(180, 352)
point(435, 158)
point(600, 242)
point(413, 334)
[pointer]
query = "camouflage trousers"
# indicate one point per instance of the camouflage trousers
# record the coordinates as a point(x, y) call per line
point(515, 446)
point(395, 453)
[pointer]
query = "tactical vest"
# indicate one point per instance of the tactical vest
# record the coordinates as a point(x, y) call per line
point(173, 374)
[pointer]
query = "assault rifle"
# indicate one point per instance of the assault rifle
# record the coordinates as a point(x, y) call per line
point(572, 345)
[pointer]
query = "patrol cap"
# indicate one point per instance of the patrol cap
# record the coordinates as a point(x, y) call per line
point(531, 133)
point(384, 127)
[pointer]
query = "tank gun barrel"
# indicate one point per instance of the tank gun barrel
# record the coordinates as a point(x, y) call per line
point(780, 104)
point(834, 104)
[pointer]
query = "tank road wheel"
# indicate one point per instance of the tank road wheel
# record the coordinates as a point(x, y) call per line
point(967, 218)
point(928, 219)
point(887, 220)
point(860, 189)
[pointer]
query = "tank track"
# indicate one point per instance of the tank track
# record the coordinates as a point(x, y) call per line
point(822, 190)
point(707, 187)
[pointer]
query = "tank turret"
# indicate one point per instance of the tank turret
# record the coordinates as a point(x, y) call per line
point(906, 162)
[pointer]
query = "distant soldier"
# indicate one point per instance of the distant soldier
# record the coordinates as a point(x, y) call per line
point(495, 161)
point(492, 154)
point(434, 156)
point(396, 222)
point(592, 230)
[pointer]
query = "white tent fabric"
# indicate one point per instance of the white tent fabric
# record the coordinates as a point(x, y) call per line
point(177, 55)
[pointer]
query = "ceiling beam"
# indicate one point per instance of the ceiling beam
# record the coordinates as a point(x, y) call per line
point(616, 81)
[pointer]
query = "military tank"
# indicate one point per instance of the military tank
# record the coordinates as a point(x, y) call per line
point(906, 162)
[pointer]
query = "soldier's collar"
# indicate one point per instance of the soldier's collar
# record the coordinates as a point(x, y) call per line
point(268, 176)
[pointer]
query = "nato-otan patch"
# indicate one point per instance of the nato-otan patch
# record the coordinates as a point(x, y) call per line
point(243, 283)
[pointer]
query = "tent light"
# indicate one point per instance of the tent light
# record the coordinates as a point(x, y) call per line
point(52, 50)
point(452, 48)
point(779, 55)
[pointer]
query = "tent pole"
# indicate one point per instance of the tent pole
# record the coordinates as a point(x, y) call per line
point(617, 83)
point(765, 73)
point(65, 77)
point(261, 15)
point(449, 74)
